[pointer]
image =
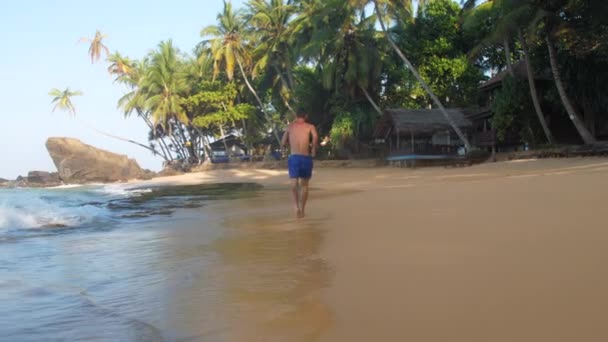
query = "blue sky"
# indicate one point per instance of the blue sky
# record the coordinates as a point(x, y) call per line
point(40, 52)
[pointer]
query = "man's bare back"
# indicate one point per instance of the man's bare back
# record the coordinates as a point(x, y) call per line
point(298, 136)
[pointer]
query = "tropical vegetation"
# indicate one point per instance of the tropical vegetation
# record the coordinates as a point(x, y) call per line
point(344, 61)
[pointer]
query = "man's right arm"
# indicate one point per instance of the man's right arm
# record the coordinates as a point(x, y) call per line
point(285, 138)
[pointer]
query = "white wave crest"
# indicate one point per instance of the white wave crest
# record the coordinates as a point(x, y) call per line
point(39, 208)
point(16, 218)
point(120, 190)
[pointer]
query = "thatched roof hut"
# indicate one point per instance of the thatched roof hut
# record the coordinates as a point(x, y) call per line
point(418, 122)
point(231, 140)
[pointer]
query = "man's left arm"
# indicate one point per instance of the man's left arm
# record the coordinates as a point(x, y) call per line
point(315, 140)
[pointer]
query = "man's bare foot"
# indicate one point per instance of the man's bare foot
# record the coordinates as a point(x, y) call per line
point(298, 212)
point(301, 215)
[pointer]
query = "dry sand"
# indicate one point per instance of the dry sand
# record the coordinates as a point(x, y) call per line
point(512, 251)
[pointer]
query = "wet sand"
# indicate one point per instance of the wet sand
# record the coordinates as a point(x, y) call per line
point(510, 251)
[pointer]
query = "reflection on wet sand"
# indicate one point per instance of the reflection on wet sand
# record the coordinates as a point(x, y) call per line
point(273, 279)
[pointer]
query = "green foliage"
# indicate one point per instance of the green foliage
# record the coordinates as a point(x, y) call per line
point(313, 97)
point(452, 78)
point(435, 44)
point(350, 123)
point(214, 105)
point(506, 106)
point(513, 112)
point(342, 129)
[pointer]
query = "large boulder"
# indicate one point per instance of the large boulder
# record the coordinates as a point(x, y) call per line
point(77, 162)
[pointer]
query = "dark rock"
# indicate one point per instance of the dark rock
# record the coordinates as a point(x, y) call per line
point(43, 178)
point(77, 162)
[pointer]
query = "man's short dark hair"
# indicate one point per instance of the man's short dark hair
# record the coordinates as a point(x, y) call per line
point(301, 114)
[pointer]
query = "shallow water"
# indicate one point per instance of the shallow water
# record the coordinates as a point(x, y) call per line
point(116, 264)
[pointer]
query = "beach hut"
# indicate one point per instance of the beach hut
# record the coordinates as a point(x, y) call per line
point(420, 130)
point(420, 134)
point(236, 148)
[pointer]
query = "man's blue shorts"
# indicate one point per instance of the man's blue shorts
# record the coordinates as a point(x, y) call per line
point(300, 166)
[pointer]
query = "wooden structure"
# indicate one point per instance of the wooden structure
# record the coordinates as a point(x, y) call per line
point(233, 142)
point(420, 130)
point(420, 134)
point(482, 133)
point(236, 149)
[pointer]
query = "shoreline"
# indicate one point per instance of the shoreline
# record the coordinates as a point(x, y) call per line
point(566, 152)
point(507, 251)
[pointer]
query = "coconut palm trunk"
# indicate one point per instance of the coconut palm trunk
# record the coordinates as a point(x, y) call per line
point(508, 56)
point(257, 98)
point(533, 91)
point(163, 145)
point(371, 100)
point(424, 85)
point(122, 139)
point(289, 71)
point(578, 124)
point(286, 85)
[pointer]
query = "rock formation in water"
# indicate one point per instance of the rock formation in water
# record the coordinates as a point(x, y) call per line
point(34, 179)
point(41, 178)
point(77, 162)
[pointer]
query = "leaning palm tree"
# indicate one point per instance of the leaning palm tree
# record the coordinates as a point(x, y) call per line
point(229, 48)
point(386, 8)
point(552, 16)
point(511, 18)
point(534, 11)
point(96, 46)
point(62, 99)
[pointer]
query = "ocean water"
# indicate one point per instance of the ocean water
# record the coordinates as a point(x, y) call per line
point(186, 263)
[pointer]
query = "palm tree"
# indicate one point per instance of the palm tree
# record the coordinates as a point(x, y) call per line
point(97, 46)
point(382, 9)
point(303, 29)
point(512, 18)
point(350, 56)
point(164, 84)
point(120, 66)
point(63, 99)
point(269, 20)
point(229, 49)
point(552, 13)
point(587, 137)
point(132, 74)
point(527, 13)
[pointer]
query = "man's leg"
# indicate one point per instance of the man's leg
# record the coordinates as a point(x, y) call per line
point(304, 193)
point(296, 196)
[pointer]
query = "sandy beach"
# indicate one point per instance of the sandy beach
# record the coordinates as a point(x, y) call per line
point(511, 251)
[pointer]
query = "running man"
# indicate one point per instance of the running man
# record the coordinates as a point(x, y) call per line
point(298, 136)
